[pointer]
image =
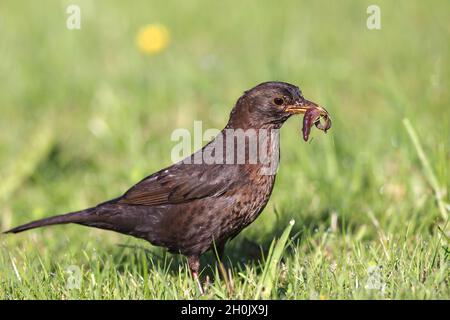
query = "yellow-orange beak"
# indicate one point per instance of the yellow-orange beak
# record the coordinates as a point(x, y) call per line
point(302, 107)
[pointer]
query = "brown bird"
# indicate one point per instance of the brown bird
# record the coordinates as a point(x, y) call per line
point(201, 202)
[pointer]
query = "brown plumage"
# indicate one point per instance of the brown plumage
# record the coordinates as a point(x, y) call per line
point(191, 207)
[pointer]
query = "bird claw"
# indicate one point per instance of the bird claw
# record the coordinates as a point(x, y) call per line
point(199, 283)
point(315, 116)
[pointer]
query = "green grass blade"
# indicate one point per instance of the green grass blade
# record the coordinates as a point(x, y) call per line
point(268, 278)
point(428, 171)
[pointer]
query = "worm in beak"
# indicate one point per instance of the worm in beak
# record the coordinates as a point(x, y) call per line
point(314, 115)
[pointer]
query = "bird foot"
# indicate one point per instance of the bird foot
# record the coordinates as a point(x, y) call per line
point(199, 284)
point(194, 266)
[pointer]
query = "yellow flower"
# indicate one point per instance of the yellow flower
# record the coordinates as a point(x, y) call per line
point(152, 38)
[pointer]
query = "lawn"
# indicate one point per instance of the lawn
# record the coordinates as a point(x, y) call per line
point(86, 113)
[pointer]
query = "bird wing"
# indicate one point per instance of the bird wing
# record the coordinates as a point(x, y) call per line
point(181, 183)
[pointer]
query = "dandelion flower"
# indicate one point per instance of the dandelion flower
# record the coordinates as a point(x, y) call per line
point(152, 38)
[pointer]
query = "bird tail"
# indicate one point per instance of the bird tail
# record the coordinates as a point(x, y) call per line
point(72, 217)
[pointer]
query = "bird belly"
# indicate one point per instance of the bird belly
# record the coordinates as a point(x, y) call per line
point(196, 227)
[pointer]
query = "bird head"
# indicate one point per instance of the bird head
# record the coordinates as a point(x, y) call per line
point(270, 104)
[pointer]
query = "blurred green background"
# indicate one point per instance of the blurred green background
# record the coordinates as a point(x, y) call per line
point(85, 113)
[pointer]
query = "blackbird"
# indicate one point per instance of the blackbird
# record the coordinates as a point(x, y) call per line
point(196, 205)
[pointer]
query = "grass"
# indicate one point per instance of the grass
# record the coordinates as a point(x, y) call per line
point(84, 115)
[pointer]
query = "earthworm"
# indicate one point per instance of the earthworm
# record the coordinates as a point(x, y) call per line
point(314, 116)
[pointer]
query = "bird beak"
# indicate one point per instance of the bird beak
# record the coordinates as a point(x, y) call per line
point(301, 107)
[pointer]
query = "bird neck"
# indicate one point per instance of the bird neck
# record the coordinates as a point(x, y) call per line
point(257, 149)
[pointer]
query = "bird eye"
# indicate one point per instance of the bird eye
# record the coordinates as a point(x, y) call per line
point(278, 101)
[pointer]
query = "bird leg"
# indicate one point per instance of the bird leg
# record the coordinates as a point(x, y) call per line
point(194, 266)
